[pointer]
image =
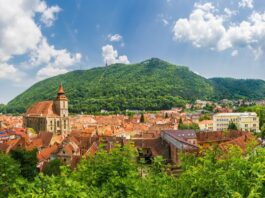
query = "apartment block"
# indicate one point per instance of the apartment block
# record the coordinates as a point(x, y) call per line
point(247, 121)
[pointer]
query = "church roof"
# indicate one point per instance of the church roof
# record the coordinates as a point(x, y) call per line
point(44, 108)
point(61, 90)
point(60, 93)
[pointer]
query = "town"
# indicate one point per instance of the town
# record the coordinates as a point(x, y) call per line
point(48, 127)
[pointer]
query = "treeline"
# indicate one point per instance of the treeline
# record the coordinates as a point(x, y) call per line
point(118, 174)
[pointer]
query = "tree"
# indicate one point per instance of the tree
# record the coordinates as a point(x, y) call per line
point(53, 167)
point(28, 162)
point(232, 126)
point(262, 131)
point(9, 173)
point(205, 117)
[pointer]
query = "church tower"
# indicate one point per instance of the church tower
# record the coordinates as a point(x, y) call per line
point(61, 103)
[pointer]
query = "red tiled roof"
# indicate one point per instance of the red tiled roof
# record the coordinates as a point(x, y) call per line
point(36, 143)
point(69, 149)
point(92, 150)
point(45, 138)
point(46, 153)
point(44, 108)
point(241, 142)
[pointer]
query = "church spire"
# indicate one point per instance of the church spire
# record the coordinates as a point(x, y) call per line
point(60, 93)
point(61, 90)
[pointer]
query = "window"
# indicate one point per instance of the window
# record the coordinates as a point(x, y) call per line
point(246, 125)
point(58, 123)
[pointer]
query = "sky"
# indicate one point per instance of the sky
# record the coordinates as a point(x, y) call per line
point(43, 38)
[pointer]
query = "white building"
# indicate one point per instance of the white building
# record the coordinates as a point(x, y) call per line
point(247, 121)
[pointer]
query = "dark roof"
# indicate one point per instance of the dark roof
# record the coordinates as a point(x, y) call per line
point(183, 134)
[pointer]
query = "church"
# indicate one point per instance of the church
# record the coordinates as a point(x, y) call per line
point(49, 116)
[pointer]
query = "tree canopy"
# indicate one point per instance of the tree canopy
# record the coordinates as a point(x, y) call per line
point(214, 173)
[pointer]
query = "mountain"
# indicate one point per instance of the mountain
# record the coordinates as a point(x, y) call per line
point(150, 85)
point(238, 88)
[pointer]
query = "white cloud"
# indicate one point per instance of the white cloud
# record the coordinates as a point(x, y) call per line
point(229, 13)
point(246, 4)
point(205, 28)
point(57, 61)
point(9, 72)
point(48, 13)
point(114, 37)
point(50, 71)
point(20, 34)
point(110, 55)
point(202, 28)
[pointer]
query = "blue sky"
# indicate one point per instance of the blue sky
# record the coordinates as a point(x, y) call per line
point(40, 39)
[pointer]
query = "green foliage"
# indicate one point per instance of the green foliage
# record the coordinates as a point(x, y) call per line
point(193, 126)
point(117, 174)
point(232, 126)
point(53, 167)
point(28, 162)
point(209, 107)
point(220, 174)
point(262, 131)
point(150, 85)
point(238, 88)
point(205, 117)
point(107, 174)
point(9, 172)
point(2, 108)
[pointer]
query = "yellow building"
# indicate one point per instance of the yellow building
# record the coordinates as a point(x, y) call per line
point(206, 125)
point(247, 121)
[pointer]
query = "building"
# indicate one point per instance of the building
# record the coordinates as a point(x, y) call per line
point(178, 141)
point(49, 116)
point(247, 121)
point(206, 125)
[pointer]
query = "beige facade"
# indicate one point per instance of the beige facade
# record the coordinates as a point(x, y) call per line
point(206, 125)
point(247, 121)
point(49, 116)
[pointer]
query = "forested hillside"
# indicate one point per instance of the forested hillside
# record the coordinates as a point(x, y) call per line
point(150, 85)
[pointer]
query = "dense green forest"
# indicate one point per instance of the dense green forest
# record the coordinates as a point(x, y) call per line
point(118, 174)
point(150, 85)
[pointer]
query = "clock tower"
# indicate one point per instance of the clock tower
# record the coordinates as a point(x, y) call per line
point(61, 103)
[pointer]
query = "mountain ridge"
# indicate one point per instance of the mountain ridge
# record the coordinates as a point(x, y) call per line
point(152, 84)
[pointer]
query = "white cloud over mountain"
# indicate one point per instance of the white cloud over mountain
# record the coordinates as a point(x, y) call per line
point(207, 27)
point(21, 35)
point(111, 56)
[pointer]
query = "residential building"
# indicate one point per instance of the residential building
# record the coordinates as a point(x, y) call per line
point(247, 121)
point(206, 125)
point(50, 116)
